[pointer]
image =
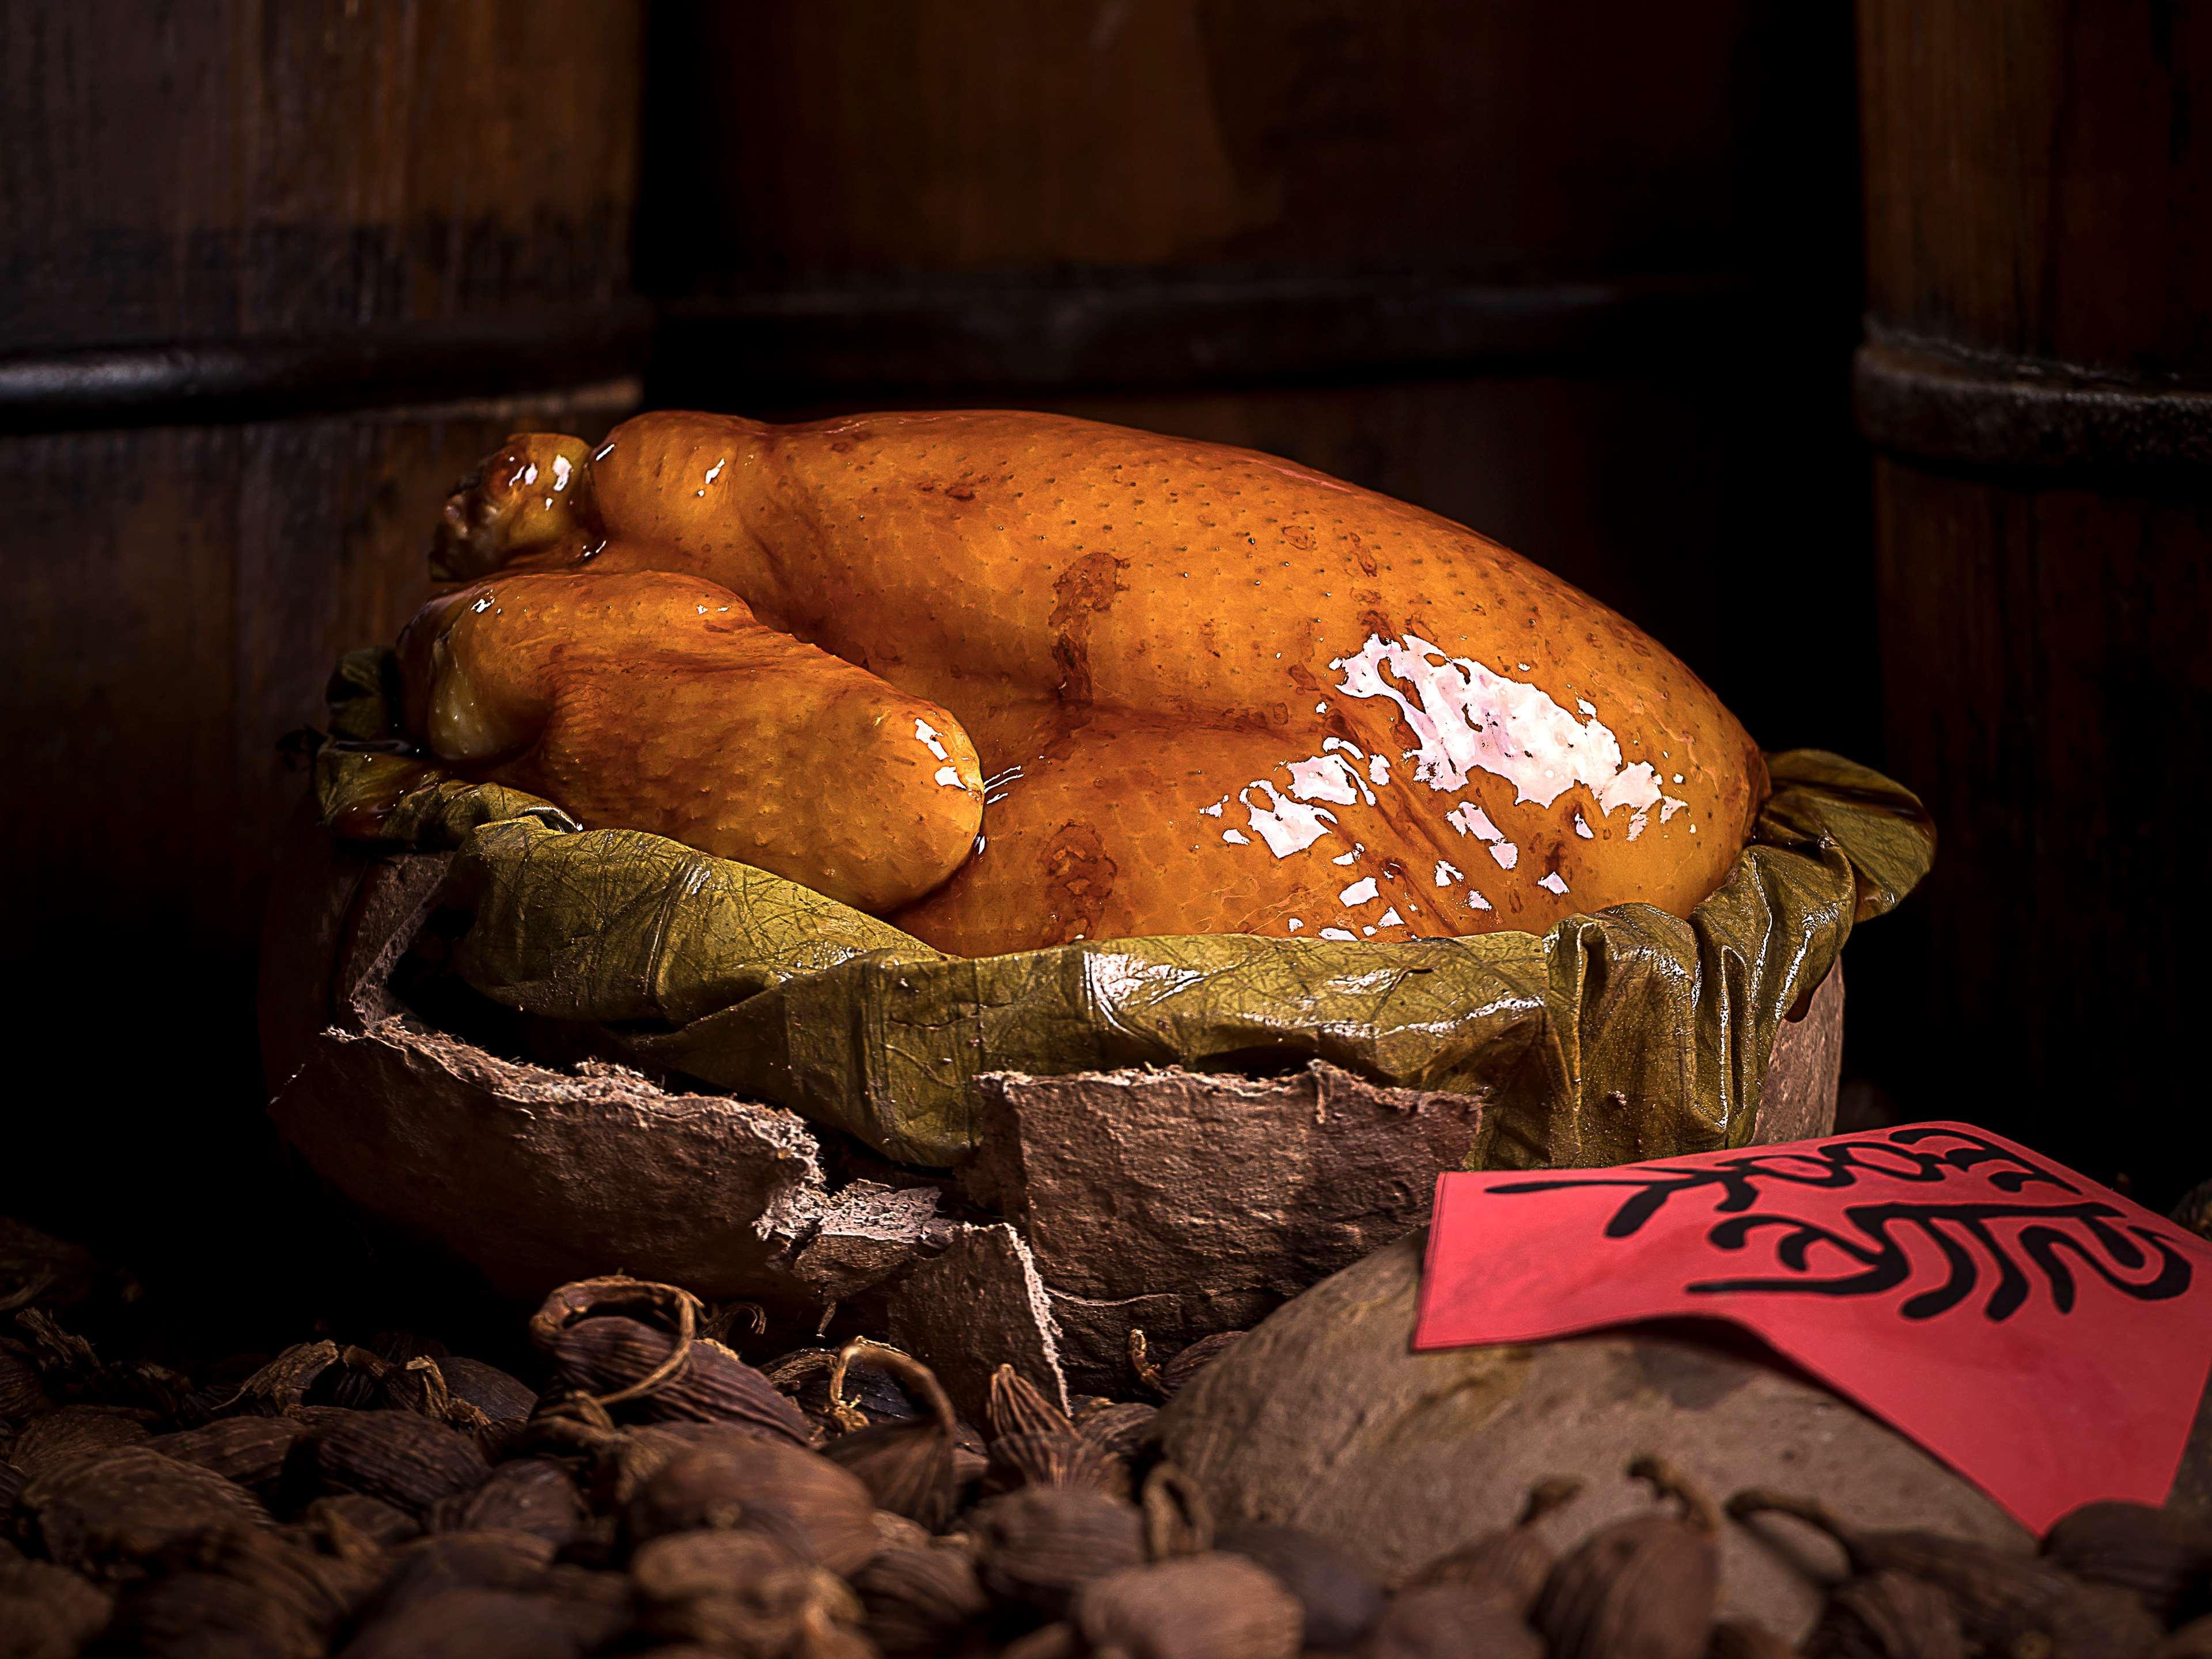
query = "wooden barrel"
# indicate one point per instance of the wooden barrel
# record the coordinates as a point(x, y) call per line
point(2038, 375)
point(275, 276)
point(1584, 277)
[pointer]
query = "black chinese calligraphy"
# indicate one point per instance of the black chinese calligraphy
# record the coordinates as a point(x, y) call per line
point(2024, 1230)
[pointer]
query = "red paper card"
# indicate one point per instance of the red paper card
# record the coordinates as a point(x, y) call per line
point(2042, 1335)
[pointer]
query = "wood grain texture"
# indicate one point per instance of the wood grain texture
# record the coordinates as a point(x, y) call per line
point(177, 597)
point(2049, 688)
point(227, 176)
point(2039, 178)
point(822, 162)
point(821, 136)
point(250, 168)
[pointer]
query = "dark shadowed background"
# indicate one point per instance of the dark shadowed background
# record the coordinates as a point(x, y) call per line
point(1589, 278)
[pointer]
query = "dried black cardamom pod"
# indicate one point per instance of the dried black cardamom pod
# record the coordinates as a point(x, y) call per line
point(69, 1433)
point(398, 1455)
point(1190, 1361)
point(596, 1332)
point(489, 1621)
point(498, 1394)
point(2004, 1602)
point(102, 1514)
point(462, 1560)
point(917, 1603)
point(1195, 1606)
point(641, 1374)
point(2164, 1557)
point(535, 1495)
point(23, 1393)
point(1640, 1588)
point(1340, 1597)
point(201, 1612)
point(1051, 1459)
point(1018, 1406)
point(1178, 1520)
point(48, 1610)
point(1886, 1616)
point(1121, 1427)
point(1451, 1621)
point(250, 1450)
point(1036, 1545)
point(361, 1385)
point(822, 1514)
point(1056, 1641)
point(740, 1593)
point(282, 1385)
point(374, 1520)
point(867, 1397)
point(906, 1466)
point(2191, 1641)
point(1514, 1560)
point(1739, 1638)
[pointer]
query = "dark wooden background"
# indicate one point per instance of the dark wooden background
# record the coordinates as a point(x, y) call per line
point(1589, 278)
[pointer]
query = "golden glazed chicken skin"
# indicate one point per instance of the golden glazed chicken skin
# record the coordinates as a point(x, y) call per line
point(1012, 680)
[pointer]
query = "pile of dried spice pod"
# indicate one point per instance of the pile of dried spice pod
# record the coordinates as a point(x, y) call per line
point(646, 1492)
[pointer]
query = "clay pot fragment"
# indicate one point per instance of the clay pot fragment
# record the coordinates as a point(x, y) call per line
point(1339, 1597)
point(1888, 1615)
point(1196, 1607)
point(102, 1514)
point(916, 1602)
point(821, 1513)
point(979, 1305)
point(404, 1459)
point(1037, 1545)
point(2163, 1557)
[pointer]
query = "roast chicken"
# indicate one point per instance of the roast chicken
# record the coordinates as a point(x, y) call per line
point(1011, 680)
